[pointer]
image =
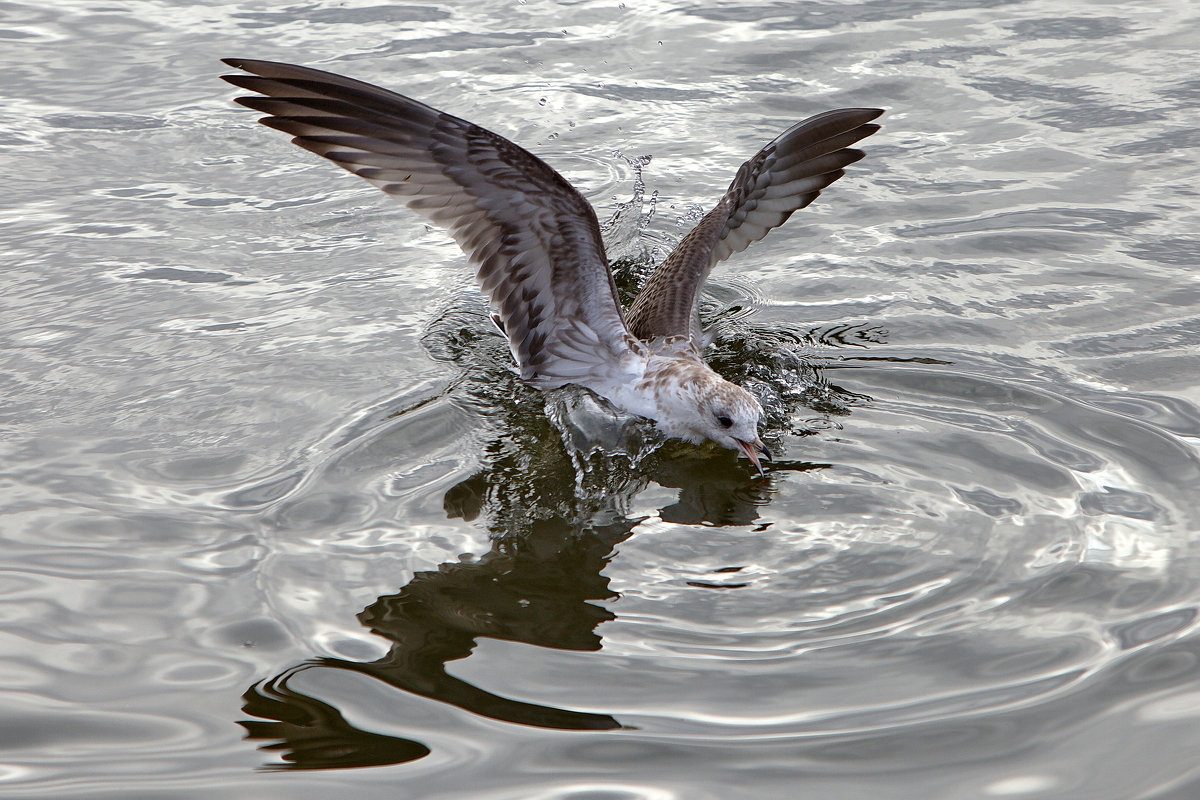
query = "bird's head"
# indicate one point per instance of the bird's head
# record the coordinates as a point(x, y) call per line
point(711, 408)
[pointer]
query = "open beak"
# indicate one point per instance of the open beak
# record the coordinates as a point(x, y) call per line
point(752, 451)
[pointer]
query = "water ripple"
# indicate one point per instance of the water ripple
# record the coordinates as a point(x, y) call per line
point(261, 442)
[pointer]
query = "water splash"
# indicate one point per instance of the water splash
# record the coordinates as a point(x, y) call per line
point(625, 228)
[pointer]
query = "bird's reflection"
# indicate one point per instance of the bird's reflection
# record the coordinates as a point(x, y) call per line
point(543, 585)
point(555, 491)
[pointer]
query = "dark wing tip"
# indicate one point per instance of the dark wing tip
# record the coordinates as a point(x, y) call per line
point(251, 102)
point(866, 114)
point(275, 106)
point(842, 117)
point(250, 82)
point(851, 155)
point(255, 65)
point(246, 64)
point(278, 70)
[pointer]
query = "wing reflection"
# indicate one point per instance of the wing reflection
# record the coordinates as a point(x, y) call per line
point(535, 590)
point(313, 734)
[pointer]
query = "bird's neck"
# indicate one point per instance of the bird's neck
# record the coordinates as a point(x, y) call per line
point(666, 391)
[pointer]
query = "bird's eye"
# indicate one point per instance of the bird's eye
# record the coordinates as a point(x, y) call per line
point(725, 421)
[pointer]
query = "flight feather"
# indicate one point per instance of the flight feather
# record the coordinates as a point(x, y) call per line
point(781, 178)
point(533, 238)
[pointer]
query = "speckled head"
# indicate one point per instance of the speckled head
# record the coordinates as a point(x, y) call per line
point(697, 404)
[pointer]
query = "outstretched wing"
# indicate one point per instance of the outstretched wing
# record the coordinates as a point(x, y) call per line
point(783, 177)
point(532, 236)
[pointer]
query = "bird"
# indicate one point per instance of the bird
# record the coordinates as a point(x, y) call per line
point(536, 245)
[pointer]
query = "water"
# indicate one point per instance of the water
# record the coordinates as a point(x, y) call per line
point(275, 504)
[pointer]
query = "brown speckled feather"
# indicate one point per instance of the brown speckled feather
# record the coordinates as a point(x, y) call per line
point(532, 236)
point(783, 177)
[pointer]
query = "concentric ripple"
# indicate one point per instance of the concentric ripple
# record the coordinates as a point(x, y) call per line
point(269, 480)
point(988, 545)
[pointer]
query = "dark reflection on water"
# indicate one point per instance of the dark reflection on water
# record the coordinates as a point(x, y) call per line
point(541, 585)
point(537, 588)
point(552, 491)
point(560, 472)
point(311, 734)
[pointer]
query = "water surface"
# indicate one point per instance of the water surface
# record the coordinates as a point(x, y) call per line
point(276, 506)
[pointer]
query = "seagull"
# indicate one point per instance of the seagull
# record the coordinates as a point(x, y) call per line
point(535, 241)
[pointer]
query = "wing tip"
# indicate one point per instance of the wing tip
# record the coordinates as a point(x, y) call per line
point(241, 80)
point(852, 155)
point(850, 116)
point(252, 65)
point(251, 102)
point(862, 115)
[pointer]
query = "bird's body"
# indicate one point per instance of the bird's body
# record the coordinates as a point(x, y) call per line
point(536, 242)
